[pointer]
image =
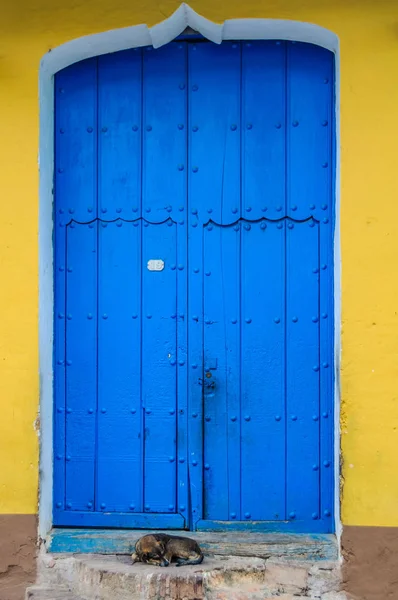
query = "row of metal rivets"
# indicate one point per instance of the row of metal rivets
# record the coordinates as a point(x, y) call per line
point(131, 507)
point(315, 467)
point(278, 418)
point(195, 318)
point(194, 415)
point(120, 224)
point(246, 226)
point(195, 128)
point(292, 514)
point(181, 363)
point(194, 211)
point(170, 223)
point(133, 411)
point(193, 48)
point(181, 222)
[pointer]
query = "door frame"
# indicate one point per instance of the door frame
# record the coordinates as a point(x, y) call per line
point(123, 39)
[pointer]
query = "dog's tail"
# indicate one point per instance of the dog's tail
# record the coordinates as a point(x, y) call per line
point(190, 561)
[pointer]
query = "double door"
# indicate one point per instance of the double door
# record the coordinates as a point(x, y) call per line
point(194, 288)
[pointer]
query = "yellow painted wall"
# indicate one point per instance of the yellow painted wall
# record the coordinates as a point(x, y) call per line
point(368, 33)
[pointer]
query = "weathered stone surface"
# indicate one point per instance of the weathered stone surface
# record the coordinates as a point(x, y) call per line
point(323, 579)
point(40, 592)
point(96, 577)
point(108, 578)
point(287, 577)
point(243, 594)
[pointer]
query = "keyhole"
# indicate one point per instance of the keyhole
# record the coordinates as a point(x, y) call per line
point(208, 375)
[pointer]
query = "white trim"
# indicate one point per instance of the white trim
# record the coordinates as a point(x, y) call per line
point(123, 39)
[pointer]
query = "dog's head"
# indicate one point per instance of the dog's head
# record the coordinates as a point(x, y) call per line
point(151, 548)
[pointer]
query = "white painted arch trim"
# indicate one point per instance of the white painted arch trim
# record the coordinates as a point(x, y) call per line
point(114, 41)
point(166, 31)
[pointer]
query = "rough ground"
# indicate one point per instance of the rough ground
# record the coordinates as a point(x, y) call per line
point(96, 577)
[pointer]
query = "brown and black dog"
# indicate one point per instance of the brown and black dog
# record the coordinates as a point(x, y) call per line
point(160, 549)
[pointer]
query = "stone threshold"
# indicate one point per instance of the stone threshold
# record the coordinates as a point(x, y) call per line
point(298, 547)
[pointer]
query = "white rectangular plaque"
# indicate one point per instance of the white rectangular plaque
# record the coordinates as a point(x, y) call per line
point(155, 264)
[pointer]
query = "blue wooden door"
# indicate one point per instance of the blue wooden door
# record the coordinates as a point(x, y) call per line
point(120, 419)
point(261, 285)
point(194, 288)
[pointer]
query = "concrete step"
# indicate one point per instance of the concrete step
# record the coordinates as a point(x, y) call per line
point(96, 577)
point(107, 578)
point(54, 592)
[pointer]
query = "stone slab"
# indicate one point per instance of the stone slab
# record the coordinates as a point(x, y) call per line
point(262, 545)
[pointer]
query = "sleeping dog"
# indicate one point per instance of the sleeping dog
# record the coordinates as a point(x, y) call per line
point(160, 549)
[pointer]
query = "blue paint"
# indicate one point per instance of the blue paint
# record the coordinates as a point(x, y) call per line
point(81, 366)
point(261, 526)
point(264, 129)
point(199, 396)
point(302, 371)
point(159, 369)
point(119, 457)
point(263, 372)
point(119, 520)
point(75, 270)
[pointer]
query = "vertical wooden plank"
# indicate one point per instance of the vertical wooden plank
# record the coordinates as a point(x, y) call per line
point(215, 118)
point(214, 193)
point(81, 364)
point(76, 141)
point(215, 384)
point(195, 361)
point(221, 372)
point(184, 460)
point(59, 419)
point(182, 384)
point(327, 310)
point(159, 360)
point(309, 80)
point(60, 221)
point(230, 261)
point(164, 118)
point(302, 364)
point(263, 371)
point(195, 320)
point(310, 192)
point(75, 200)
point(119, 465)
point(263, 129)
point(119, 119)
point(164, 197)
point(119, 284)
